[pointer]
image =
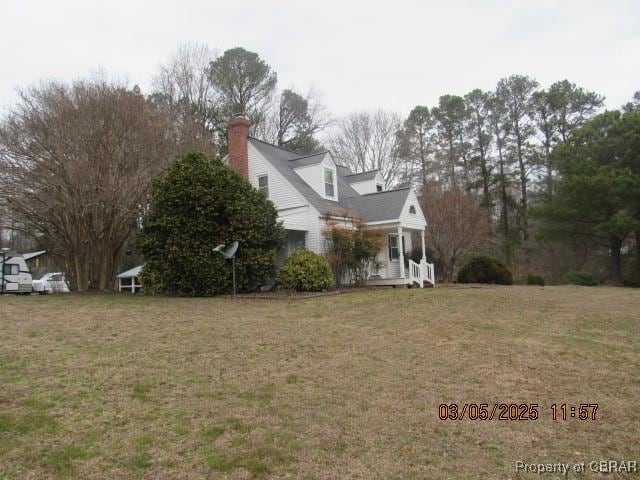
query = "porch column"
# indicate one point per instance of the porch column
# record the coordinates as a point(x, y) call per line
point(424, 255)
point(401, 253)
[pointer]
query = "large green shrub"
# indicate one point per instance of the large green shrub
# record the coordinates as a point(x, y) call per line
point(535, 280)
point(580, 278)
point(305, 271)
point(197, 205)
point(485, 270)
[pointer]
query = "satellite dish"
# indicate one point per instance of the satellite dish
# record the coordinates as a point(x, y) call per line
point(230, 252)
point(219, 248)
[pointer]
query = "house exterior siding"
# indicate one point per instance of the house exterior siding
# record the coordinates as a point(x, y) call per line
point(412, 220)
point(368, 186)
point(281, 193)
point(293, 209)
point(314, 176)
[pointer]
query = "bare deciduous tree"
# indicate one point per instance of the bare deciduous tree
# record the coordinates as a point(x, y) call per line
point(76, 161)
point(366, 141)
point(182, 88)
point(457, 223)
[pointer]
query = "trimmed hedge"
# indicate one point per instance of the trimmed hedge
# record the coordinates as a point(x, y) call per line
point(580, 278)
point(485, 270)
point(305, 271)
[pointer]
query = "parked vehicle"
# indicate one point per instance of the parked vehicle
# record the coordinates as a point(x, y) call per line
point(15, 275)
point(51, 283)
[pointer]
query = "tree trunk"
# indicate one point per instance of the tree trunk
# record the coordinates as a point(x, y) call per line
point(549, 179)
point(452, 163)
point(638, 256)
point(486, 199)
point(106, 269)
point(616, 247)
point(81, 274)
point(503, 195)
point(451, 267)
point(523, 189)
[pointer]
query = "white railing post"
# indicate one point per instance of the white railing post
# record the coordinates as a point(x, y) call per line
point(428, 272)
point(415, 273)
point(401, 251)
point(410, 273)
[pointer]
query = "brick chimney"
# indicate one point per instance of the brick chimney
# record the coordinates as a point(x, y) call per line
point(237, 139)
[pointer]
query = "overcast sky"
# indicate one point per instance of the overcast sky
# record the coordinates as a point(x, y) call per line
point(360, 55)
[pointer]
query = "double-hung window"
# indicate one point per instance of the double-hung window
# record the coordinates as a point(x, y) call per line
point(263, 184)
point(329, 188)
point(394, 247)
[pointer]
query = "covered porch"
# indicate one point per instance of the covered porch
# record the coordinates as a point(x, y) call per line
point(396, 264)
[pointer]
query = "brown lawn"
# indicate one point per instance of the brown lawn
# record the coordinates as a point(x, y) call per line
point(120, 386)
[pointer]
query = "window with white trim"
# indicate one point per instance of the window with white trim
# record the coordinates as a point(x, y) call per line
point(378, 187)
point(329, 187)
point(394, 251)
point(263, 184)
point(412, 209)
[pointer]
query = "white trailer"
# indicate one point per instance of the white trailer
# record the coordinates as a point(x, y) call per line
point(15, 275)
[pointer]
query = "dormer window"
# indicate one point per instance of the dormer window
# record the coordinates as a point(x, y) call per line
point(263, 185)
point(412, 210)
point(378, 187)
point(329, 188)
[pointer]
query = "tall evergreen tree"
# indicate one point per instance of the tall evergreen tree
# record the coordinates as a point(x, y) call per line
point(418, 141)
point(500, 129)
point(244, 83)
point(517, 91)
point(478, 107)
point(598, 192)
point(572, 106)
point(450, 114)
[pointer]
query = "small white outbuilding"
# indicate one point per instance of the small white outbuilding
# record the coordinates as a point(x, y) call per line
point(129, 281)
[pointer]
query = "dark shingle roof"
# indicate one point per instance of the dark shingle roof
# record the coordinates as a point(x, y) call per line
point(380, 206)
point(372, 207)
point(307, 160)
point(362, 177)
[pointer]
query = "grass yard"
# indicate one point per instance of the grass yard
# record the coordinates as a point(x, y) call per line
point(343, 387)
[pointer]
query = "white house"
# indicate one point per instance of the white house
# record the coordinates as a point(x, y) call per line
point(313, 192)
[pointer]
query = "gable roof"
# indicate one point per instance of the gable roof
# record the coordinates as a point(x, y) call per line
point(308, 160)
point(372, 207)
point(381, 206)
point(362, 177)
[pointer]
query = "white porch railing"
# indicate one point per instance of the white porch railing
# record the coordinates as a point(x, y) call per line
point(420, 273)
point(428, 273)
point(415, 274)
